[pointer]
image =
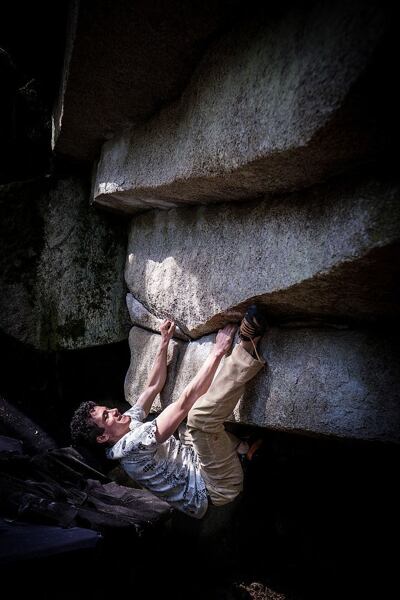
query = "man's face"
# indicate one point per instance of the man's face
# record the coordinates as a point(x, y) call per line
point(114, 424)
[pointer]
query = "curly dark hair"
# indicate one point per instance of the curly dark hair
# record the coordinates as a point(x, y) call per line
point(83, 429)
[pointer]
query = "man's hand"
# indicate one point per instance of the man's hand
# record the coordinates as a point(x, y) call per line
point(224, 339)
point(167, 330)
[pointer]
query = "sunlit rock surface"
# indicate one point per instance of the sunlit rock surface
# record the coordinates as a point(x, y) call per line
point(328, 253)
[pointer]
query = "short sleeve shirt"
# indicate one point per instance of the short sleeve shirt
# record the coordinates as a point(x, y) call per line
point(169, 470)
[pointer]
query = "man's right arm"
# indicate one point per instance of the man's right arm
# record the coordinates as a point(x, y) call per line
point(173, 415)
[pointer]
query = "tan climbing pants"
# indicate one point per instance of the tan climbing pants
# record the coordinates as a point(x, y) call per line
point(216, 448)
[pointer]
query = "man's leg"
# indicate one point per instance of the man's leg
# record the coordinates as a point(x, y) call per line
point(216, 447)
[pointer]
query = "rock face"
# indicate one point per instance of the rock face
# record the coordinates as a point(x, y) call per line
point(191, 358)
point(63, 288)
point(278, 129)
point(342, 383)
point(143, 318)
point(184, 361)
point(144, 346)
point(330, 253)
point(127, 59)
point(20, 219)
point(277, 104)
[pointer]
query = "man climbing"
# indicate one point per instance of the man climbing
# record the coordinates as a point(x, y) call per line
point(209, 469)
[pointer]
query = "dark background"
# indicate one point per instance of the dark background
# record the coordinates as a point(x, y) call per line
point(319, 517)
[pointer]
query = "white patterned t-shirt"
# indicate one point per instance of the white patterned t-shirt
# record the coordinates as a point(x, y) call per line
point(169, 470)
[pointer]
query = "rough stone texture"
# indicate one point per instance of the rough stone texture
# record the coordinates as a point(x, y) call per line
point(62, 275)
point(278, 103)
point(143, 318)
point(184, 361)
point(125, 60)
point(329, 253)
point(191, 359)
point(21, 241)
point(342, 383)
point(144, 346)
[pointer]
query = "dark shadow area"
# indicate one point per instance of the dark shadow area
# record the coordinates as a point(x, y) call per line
point(47, 386)
point(32, 41)
point(324, 513)
point(318, 517)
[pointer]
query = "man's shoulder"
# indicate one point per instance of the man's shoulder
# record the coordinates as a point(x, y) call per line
point(140, 438)
point(136, 413)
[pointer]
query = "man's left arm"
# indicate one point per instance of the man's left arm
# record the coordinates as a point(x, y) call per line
point(158, 373)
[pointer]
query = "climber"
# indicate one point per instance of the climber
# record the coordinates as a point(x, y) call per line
point(208, 469)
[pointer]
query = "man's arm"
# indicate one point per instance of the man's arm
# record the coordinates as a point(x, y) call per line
point(173, 415)
point(158, 373)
